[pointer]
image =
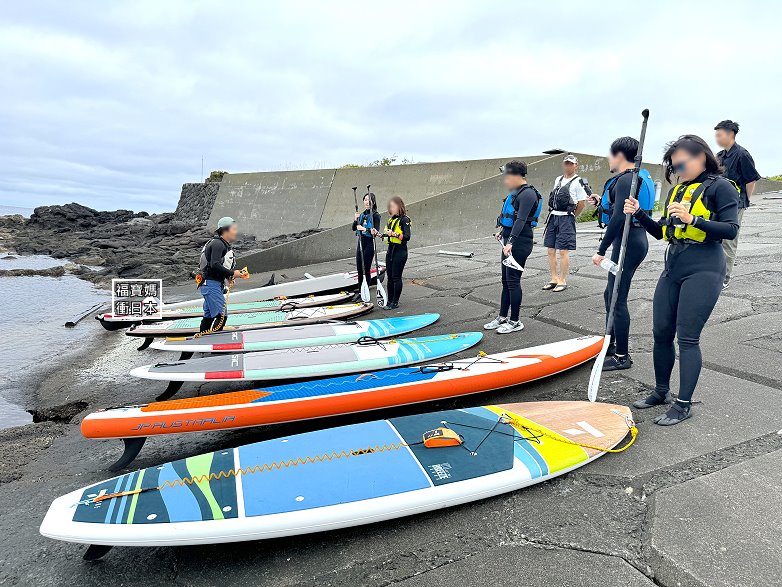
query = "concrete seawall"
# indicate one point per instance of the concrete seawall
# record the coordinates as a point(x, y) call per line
point(465, 212)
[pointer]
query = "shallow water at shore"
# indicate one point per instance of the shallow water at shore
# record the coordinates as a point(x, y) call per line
point(34, 311)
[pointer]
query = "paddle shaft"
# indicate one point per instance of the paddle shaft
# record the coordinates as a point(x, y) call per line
point(626, 227)
point(363, 279)
point(380, 291)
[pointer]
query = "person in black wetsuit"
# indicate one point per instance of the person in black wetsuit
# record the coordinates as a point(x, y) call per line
point(366, 223)
point(621, 161)
point(518, 217)
point(700, 212)
point(398, 233)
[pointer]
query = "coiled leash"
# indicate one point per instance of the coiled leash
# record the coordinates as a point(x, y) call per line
point(245, 274)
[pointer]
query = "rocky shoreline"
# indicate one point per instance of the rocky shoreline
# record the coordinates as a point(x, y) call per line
point(102, 245)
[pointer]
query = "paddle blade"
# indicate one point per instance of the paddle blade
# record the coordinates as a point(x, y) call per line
point(365, 295)
point(380, 295)
point(597, 370)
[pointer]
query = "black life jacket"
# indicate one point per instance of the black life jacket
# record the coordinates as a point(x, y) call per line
point(559, 199)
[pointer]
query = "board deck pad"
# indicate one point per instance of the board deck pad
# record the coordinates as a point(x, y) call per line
point(342, 394)
point(312, 361)
point(301, 287)
point(338, 477)
point(297, 336)
point(254, 320)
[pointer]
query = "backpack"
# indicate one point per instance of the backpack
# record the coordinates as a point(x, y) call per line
point(645, 192)
point(229, 262)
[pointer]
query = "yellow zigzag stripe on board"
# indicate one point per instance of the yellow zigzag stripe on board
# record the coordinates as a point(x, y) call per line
point(208, 477)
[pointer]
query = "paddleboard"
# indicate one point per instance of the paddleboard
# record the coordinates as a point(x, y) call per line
point(339, 477)
point(316, 361)
point(335, 395)
point(295, 336)
point(253, 320)
point(197, 311)
point(303, 287)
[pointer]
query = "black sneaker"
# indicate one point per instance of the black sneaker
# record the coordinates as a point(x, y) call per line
point(653, 400)
point(617, 363)
point(677, 413)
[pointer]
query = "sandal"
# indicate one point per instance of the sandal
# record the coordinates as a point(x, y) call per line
point(549, 286)
point(560, 287)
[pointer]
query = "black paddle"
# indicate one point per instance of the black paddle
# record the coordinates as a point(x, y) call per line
point(597, 368)
point(365, 296)
point(380, 291)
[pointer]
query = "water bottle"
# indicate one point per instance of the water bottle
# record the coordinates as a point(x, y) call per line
point(609, 266)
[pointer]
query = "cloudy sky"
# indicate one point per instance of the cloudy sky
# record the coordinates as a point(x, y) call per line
point(114, 104)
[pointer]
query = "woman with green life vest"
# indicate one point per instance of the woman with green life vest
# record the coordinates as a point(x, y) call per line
point(700, 211)
point(616, 190)
point(397, 232)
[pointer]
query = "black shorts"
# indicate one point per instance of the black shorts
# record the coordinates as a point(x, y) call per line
point(560, 232)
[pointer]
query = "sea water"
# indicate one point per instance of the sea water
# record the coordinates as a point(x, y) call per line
point(33, 311)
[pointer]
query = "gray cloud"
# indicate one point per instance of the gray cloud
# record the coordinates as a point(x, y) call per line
point(115, 107)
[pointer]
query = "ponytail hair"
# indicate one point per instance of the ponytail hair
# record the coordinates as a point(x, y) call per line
point(372, 201)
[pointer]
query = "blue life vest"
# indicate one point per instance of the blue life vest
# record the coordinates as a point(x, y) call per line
point(365, 220)
point(645, 195)
point(508, 214)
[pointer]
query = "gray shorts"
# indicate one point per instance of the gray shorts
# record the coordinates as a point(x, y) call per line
point(560, 232)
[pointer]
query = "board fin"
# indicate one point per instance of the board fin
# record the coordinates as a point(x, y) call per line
point(145, 345)
point(96, 551)
point(132, 448)
point(173, 387)
point(185, 355)
point(270, 282)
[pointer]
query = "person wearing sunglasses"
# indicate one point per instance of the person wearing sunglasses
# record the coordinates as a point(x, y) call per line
point(700, 212)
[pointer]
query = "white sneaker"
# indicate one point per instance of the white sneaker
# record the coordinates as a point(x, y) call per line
point(496, 323)
point(510, 326)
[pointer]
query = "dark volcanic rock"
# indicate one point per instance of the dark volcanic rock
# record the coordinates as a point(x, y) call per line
point(48, 272)
point(122, 242)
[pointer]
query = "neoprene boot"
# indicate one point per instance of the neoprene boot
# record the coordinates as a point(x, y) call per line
point(206, 324)
point(655, 399)
point(617, 363)
point(678, 412)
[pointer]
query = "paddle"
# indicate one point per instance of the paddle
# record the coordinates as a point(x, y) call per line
point(597, 368)
point(363, 279)
point(380, 291)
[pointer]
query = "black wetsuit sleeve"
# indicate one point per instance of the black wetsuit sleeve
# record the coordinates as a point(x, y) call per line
point(652, 226)
point(404, 226)
point(613, 231)
point(376, 221)
point(215, 254)
point(723, 201)
point(354, 226)
point(526, 202)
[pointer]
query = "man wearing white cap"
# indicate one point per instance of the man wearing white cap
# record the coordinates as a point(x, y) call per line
point(217, 264)
point(565, 202)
